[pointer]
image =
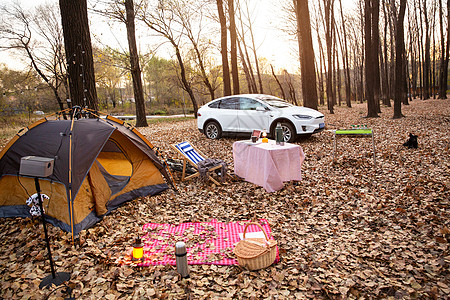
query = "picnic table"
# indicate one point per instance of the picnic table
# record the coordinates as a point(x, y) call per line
point(355, 132)
point(267, 164)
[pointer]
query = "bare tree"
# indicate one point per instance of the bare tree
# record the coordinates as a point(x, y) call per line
point(109, 73)
point(288, 80)
point(23, 31)
point(233, 44)
point(426, 61)
point(345, 60)
point(224, 49)
point(141, 119)
point(329, 33)
point(384, 56)
point(124, 12)
point(160, 19)
point(249, 27)
point(77, 41)
point(444, 51)
point(399, 58)
point(370, 53)
point(278, 82)
point(245, 57)
point(247, 68)
point(321, 66)
point(308, 69)
point(375, 53)
point(185, 14)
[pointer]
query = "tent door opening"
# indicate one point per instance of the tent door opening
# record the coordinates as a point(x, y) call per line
point(115, 166)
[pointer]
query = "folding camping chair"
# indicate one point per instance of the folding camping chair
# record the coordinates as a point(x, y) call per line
point(193, 156)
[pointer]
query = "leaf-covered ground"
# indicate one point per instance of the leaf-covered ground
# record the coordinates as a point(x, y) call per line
point(347, 230)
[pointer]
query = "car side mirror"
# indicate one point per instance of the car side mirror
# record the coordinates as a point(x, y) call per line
point(260, 108)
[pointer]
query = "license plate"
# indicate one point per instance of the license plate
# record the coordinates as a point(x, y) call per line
point(322, 125)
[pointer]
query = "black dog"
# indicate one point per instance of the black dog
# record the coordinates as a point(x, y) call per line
point(412, 142)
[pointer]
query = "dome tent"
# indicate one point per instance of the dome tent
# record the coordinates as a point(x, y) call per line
point(98, 165)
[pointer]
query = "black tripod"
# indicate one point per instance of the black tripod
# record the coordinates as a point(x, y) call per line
point(54, 278)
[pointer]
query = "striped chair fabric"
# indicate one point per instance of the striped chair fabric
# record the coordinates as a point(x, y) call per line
point(190, 152)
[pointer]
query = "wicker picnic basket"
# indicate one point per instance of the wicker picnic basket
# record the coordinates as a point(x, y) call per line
point(255, 253)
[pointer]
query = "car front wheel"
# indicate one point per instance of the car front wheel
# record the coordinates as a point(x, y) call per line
point(213, 130)
point(289, 133)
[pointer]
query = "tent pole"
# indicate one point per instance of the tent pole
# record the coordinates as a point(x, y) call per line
point(54, 278)
point(44, 224)
point(70, 175)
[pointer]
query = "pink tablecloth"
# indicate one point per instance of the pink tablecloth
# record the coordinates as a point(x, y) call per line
point(267, 164)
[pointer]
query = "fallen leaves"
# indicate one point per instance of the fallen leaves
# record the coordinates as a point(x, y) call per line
point(347, 230)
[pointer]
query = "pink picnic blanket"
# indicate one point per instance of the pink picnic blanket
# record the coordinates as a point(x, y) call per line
point(206, 243)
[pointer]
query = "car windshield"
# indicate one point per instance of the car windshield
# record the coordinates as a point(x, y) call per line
point(276, 102)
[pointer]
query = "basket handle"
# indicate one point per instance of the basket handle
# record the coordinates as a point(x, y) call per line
point(257, 224)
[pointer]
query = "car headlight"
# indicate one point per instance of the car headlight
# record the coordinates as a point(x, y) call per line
point(302, 117)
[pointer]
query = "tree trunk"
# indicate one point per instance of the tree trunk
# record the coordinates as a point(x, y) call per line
point(308, 69)
point(442, 92)
point(444, 50)
point(186, 84)
point(375, 53)
point(433, 70)
point(421, 52)
point(392, 19)
point(405, 96)
point(246, 61)
point(201, 64)
point(338, 75)
point(345, 62)
point(224, 49)
point(363, 53)
point(399, 57)
point(250, 69)
point(382, 75)
point(387, 91)
point(444, 86)
point(405, 78)
point(335, 69)
point(320, 75)
point(141, 119)
point(258, 73)
point(413, 81)
point(246, 70)
point(369, 55)
point(77, 42)
point(291, 87)
point(426, 62)
point(278, 82)
point(233, 42)
point(329, 41)
point(321, 65)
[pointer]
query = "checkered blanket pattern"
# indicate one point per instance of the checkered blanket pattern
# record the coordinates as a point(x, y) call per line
point(206, 243)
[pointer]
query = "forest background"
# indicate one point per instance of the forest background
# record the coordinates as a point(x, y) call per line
point(363, 51)
point(358, 232)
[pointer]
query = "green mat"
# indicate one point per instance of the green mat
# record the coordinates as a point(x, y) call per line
point(354, 131)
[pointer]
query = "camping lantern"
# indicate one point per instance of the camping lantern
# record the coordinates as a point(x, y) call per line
point(264, 135)
point(138, 249)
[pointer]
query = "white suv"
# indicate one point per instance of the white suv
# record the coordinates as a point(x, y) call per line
point(241, 114)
